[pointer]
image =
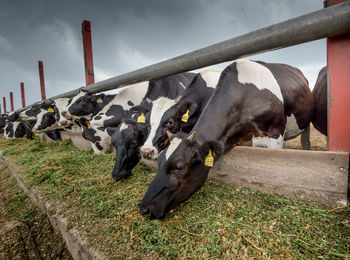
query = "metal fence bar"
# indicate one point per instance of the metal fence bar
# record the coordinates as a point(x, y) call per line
point(331, 21)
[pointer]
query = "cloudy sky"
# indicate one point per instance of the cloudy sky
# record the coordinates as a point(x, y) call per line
point(128, 35)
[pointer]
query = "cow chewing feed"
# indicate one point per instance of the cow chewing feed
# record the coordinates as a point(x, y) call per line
point(251, 102)
point(16, 128)
point(132, 133)
point(319, 119)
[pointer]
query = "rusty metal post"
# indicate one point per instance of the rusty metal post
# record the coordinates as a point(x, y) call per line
point(87, 46)
point(338, 59)
point(42, 82)
point(11, 101)
point(23, 95)
point(4, 100)
point(0, 110)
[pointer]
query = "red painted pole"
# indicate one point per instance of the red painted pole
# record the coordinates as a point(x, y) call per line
point(42, 82)
point(4, 99)
point(11, 101)
point(22, 95)
point(87, 46)
point(338, 59)
point(0, 111)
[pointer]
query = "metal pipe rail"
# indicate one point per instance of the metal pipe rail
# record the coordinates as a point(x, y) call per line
point(331, 21)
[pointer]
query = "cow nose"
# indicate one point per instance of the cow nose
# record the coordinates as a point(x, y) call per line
point(145, 211)
point(147, 153)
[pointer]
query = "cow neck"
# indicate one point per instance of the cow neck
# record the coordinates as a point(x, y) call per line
point(219, 112)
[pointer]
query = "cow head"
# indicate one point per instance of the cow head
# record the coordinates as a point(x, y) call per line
point(15, 129)
point(83, 105)
point(158, 108)
point(127, 141)
point(182, 170)
point(47, 117)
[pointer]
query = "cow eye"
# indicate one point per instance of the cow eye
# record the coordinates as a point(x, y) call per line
point(170, 123)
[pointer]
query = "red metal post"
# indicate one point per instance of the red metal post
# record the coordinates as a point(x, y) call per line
point(22, 95)
point(4, 99)
point(42, 82)
point(0, 111)
point(338, 59)
point(11, 100)
point(87, 46)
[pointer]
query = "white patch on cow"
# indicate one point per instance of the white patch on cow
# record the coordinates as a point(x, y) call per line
point(267, 142)
point(172, 147)
point(14, 128)
point(39, 119)
point(123, 126)
point(211, 77)
point(254, 73)
point(61, 104)
point(292, 128)
point(159, 107)
point(105, 142)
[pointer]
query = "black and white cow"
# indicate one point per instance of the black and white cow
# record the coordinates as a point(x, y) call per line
point(16, 128)
point(131, 134)
point(319, 119)
point(169, 118)
point(246, 105)
point(50, 116)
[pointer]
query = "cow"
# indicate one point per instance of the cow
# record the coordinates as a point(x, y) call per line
point(49, 116)
point(248, 104)
point(132, 133)
point(170, 119)
point(16, 128)
point(319, 119)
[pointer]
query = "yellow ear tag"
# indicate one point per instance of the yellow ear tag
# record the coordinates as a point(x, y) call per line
point(185, 116)
point(141, 118)
point(55, 116)
point(99, 100)
point(88, 124)
point(50, 110)
point(209, 159)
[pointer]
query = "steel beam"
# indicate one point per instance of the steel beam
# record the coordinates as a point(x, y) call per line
point(23, 95)
point(87, 46)
point(42, 81)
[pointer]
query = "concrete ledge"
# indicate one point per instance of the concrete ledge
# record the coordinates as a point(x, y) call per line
point(74, 243)
point(312, 175)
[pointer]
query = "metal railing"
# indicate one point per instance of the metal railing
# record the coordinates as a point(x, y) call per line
point(331, 21)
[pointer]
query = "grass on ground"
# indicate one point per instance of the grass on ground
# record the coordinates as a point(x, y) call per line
point(220, 221)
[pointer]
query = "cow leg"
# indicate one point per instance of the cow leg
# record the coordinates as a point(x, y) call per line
point(305, 138)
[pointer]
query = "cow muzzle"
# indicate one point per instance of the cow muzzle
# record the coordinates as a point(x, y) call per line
point(149, 153)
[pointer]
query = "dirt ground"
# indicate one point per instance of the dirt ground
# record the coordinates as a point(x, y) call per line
point(25, 233)
point(318, 141)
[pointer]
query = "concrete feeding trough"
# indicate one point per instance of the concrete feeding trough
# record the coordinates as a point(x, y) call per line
point(312, 175)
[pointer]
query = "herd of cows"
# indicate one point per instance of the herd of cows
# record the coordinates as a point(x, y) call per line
point(185, 121)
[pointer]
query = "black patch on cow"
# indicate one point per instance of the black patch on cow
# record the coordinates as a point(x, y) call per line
point(130, 103)
point(97, 117)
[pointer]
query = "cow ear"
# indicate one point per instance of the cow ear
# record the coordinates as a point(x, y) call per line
point(187, 107)
point(211, 151)
point(111, 130)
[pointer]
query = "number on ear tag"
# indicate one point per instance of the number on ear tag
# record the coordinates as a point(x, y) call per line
point(141, 118)
point(99, 100)
point(209, 159)
point(50, 110)
point(185, 116)
point(88, 124)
